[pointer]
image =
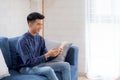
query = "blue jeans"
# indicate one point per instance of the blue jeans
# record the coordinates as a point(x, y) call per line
point(48, 69)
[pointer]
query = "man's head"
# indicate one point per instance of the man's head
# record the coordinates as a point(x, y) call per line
point(35, 21)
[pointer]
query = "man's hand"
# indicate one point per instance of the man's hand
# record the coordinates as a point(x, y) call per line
point(53, 52)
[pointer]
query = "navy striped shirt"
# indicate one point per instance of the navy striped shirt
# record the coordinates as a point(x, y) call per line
point(31, 50)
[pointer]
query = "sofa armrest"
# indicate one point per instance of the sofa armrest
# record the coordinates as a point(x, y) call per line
point(72, 58)
point(72, 55)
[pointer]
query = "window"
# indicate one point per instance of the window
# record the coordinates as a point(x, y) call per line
point(103, 34)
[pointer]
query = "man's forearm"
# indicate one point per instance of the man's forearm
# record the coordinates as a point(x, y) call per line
point(47, 55)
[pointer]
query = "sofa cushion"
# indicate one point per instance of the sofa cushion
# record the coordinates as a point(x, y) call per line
point(4, 45)
point(25, 77)
point(17, 76)
point(14, 55)
point(56, 44)
point(13, 72)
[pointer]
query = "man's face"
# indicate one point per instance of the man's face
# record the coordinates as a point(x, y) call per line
point(36, 26)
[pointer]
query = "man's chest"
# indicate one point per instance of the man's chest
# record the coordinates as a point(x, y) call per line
point(34, 46)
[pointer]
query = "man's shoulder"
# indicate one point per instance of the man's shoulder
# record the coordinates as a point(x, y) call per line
point(22, 38)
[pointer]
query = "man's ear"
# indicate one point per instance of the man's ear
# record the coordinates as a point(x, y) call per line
point(29, 24)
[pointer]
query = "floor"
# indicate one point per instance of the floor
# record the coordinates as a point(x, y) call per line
point(82, 78)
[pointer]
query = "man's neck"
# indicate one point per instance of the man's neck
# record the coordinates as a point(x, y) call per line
point(32, 33)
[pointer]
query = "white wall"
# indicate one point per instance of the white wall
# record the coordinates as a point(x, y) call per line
point(65, 20)
point(13, 17)
point(36, 6)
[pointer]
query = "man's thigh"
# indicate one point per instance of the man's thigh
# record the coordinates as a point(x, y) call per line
point(57, 66)
point(37, 70)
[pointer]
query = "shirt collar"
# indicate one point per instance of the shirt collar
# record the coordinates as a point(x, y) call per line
point(30, 35)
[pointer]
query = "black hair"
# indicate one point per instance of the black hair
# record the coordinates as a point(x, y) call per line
point(33, 16)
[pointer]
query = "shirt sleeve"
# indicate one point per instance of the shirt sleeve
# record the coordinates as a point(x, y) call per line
point(45, 50)
point(26, 55)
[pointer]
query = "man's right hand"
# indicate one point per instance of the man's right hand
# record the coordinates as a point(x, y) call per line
point(52, 53)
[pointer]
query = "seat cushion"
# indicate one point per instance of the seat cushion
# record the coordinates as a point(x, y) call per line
point(4, 45)
point(25, 77)
point(17, 76)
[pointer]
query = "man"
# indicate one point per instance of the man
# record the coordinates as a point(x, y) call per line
point(34, 55)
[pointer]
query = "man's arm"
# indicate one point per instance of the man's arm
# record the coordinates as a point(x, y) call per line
point(50, 55)
point(26, 54)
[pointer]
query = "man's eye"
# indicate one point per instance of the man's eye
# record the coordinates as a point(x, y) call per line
point(38, 24)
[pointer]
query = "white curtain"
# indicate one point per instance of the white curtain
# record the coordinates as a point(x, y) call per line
point(103, 39)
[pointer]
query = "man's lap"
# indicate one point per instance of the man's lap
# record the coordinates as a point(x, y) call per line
point(56, 66)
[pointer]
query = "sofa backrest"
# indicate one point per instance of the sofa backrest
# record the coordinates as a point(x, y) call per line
point(13, 51)
point(4, 46)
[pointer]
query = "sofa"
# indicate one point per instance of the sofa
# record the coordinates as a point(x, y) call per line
point(8, 48)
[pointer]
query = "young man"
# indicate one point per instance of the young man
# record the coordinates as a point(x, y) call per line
point(34, 55)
